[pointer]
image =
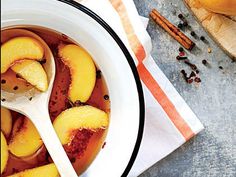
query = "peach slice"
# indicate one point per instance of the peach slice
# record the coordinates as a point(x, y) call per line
point(25, 139)
point(6, 121)
point(49, 170)
point(33, 72)
point(4, 152)
point(77, 118)
point(20, 48)
point(227, 7)
point(82, 70)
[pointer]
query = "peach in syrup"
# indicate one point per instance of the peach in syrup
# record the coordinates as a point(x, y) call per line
point(78, 110)
point(24, 60)
point(25, 140)
point(42, 171)
point(6, 121)
point(4, 152)
point(33, 72)
point(77, 118)
point(20, 48)
point(82, 70)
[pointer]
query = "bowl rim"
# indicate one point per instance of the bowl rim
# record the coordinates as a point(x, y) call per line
point(140, 112)
point(132, 65)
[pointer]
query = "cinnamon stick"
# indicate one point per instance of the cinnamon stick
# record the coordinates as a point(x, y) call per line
point(172, 30)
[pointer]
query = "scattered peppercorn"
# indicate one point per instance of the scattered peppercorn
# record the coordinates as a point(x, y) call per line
point(3, 99)
point(180, 25)
point(181, 49)
point(202, 38)
point(98, 74)
point(43, 61)
point(18, 76)
point(220, 67)
point(15, 88)
point(3, 81)
point(180, 16)
point(30, 98)
point(204, 62)
point(193, 33)
point(106, 97)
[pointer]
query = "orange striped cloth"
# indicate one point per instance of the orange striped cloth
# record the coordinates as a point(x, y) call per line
point(169, 121)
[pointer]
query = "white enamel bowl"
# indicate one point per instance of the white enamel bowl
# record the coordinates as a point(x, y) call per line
point(111, 56)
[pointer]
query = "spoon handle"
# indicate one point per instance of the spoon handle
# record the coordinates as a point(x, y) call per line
point(45, 128)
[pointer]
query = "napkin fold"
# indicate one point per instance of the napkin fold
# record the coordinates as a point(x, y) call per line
point(169, 121)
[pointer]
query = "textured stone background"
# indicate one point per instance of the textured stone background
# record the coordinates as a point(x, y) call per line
point(212, 153)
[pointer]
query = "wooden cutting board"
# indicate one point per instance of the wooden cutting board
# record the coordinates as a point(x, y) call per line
point(222, 28)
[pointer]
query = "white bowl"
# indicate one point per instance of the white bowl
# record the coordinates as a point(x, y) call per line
point(111, 56)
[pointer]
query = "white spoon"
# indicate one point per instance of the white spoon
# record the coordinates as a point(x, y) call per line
point(37, 108)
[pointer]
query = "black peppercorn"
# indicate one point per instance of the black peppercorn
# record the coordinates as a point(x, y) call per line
point(106, 97)
point(193, 33)
point(202, 38)
point(98, 74)
point(220, 67)
point(180, 25)
point(18, 76)
point(204, 62)
point(3, 81)
point(180, 16)
point(181, 49)
point(43, 61)
point(15, 88)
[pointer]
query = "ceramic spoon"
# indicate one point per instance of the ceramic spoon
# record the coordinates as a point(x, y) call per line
point(37, 108)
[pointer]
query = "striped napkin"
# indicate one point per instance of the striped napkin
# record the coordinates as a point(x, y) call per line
point(169, 120)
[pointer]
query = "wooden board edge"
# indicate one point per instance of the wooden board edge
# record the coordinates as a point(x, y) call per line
point(212, 37)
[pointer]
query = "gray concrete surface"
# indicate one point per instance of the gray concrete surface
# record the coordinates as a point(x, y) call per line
point(212, 153)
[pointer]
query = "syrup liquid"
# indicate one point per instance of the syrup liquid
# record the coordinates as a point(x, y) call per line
point(92, 142)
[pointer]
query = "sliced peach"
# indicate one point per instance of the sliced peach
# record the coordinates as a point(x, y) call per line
point(77, 118)
point(33, 72)
point(82, 70)
point(4, 152)
point(25, 139)
point(20, 48)
point(49, 170)
point(6, 121)
point(227, 7)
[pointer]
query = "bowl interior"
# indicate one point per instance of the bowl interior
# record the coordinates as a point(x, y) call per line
point(123, 90)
